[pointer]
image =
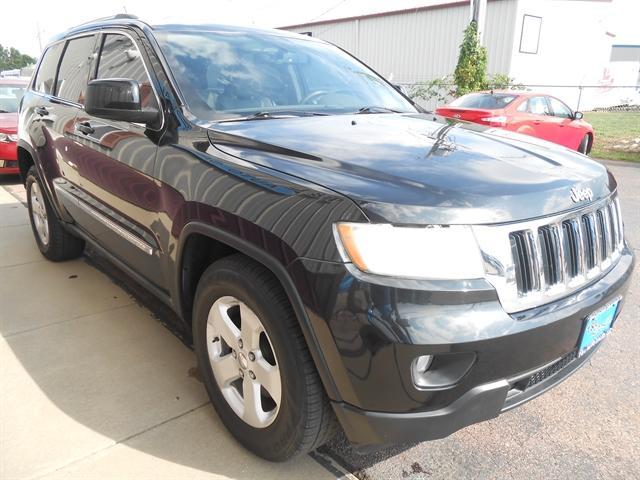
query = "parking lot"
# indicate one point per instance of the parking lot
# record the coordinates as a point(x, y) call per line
point(93, 385)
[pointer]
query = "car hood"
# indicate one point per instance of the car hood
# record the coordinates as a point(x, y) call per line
point(9, 122)
point(418, 168)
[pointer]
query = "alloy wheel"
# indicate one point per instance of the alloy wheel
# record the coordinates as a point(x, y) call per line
point(39, 213)
point(243, 362)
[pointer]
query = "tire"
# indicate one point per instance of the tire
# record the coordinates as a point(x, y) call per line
point(302, 419)
point(54, 242)
point(584, 145)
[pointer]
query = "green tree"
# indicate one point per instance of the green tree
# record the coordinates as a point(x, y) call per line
point(470, 74)
point(11, 58)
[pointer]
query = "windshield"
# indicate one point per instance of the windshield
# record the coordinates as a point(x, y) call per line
point(10, 96)
point(226, 75)
point(489, 101)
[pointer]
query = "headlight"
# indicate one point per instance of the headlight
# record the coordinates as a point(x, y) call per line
point(8, 137)
point(432, 252)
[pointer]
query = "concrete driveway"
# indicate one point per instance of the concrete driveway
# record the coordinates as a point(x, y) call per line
point(94, 387)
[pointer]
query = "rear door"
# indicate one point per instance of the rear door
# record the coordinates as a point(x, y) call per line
point(115, 160)
point(52, 105)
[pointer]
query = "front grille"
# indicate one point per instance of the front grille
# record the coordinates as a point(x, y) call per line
point(568, 251)
point(552, 369)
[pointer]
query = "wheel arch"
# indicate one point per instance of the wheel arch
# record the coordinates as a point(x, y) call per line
point(26, 159)
point(590, 144)
point(231, 244)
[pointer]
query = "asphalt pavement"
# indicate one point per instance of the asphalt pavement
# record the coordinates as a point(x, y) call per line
point(93, 387)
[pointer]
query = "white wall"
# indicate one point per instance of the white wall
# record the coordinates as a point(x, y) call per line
point(574, 48)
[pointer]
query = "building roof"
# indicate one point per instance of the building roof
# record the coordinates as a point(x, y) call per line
point(441, 4)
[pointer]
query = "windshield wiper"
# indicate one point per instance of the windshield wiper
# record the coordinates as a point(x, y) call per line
point(374, 109)
point(266, 115)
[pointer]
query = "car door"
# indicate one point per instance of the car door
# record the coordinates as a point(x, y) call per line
point(566, 131)
point(114, 160)
point(538, 114)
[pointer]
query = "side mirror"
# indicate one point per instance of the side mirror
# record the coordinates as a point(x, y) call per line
point(117, 99)
point(577, 115)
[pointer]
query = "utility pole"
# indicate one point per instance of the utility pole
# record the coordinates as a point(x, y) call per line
point(479, 13)
point(39, 36)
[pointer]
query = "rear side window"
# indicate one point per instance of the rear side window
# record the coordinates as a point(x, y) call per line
point(120, 58)
point(47, 71)
point(489, 101)
point(74, 69)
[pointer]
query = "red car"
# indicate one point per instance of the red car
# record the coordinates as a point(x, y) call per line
point(11, 92)
point(531, 113)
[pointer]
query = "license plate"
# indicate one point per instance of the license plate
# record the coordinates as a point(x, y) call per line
point(597, 325)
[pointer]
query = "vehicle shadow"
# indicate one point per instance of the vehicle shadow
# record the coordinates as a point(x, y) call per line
point(339, 449)
point(112, 379)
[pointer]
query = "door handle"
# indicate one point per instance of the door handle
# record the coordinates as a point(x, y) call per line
point(42, 111)
point(537, 122)
point(85, 127)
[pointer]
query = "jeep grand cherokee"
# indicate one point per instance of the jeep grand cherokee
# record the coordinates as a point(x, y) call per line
point(341, 257)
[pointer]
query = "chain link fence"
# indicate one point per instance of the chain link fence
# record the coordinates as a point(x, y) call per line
point(577, 97)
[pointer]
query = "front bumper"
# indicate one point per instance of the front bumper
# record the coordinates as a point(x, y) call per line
point(369, 335)
point(481, 403)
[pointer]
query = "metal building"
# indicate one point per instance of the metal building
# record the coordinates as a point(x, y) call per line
point(551, 45)
point(418, 44)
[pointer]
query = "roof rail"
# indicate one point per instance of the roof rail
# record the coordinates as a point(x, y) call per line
point(119, 16)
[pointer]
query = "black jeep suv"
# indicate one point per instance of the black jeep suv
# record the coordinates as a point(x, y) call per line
point(341, 257)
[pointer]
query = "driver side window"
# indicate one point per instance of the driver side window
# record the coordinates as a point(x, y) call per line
point(120, 58)
point(559, 109)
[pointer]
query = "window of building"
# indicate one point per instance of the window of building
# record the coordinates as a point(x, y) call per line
point(530, 34)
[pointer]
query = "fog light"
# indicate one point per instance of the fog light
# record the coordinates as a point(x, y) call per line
point(441, 371)
point(420, 366)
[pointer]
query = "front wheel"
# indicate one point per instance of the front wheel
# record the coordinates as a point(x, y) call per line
point(54, 242)
point(255, 363)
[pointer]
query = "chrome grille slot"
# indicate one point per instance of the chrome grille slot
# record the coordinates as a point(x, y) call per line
point(602, 234)
point(619, 226)
point(572, 250)
point(590, 241)
point(522, 254)
point(551, 254)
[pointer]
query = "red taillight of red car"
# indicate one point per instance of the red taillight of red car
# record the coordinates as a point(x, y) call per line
point(495, 121)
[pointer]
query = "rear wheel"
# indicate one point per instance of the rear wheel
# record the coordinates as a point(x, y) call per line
point(54, 242)
point(255, 363)
point(584, 145)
